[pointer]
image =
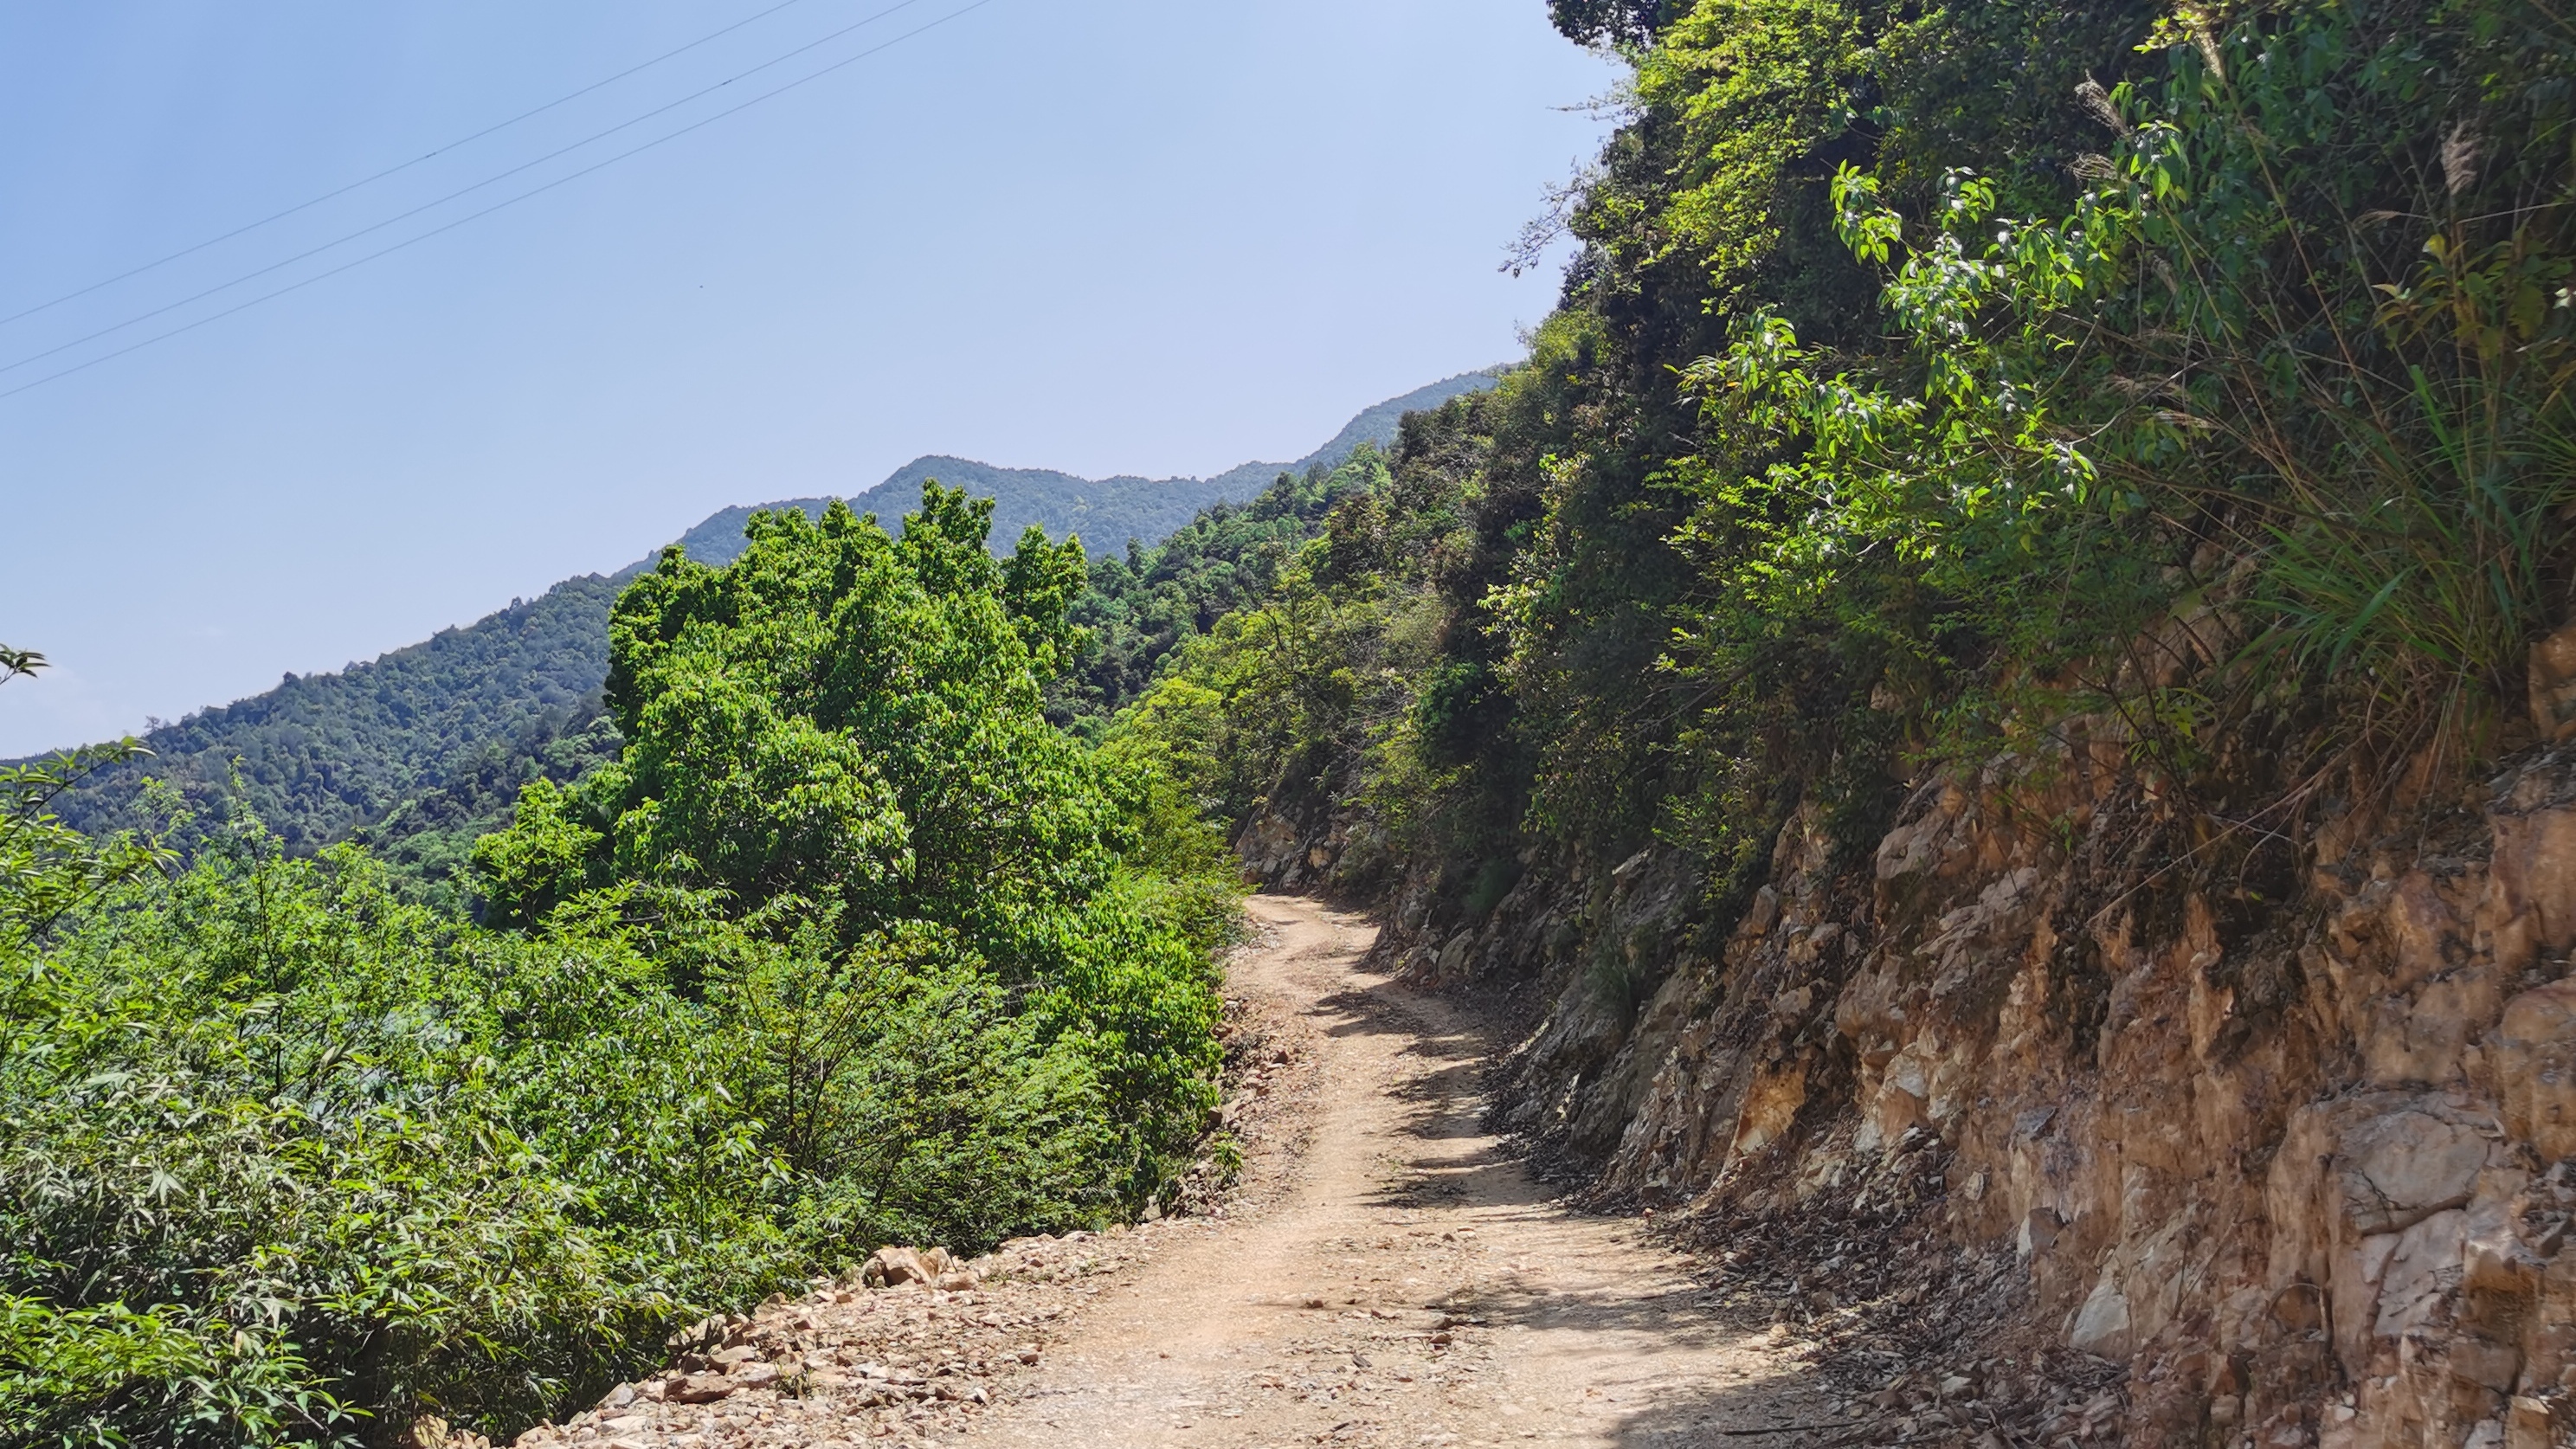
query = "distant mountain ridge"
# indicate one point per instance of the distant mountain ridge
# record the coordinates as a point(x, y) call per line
point(1105, 512)
point(324, 757)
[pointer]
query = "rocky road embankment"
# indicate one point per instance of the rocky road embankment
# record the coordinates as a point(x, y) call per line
point(2066, 1117)
point(851, 1363)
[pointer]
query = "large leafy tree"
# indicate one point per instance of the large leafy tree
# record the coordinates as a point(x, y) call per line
point(846, 719)
point(837, 745)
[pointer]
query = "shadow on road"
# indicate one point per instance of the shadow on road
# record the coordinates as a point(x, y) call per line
point(1644, 1347)
point(1744, 1416)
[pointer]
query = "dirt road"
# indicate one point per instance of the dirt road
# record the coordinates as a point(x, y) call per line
point(1393, 1278)
point(1387, 1276)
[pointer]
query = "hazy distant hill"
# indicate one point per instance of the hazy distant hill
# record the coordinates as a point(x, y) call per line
point(418, 749)
point(1105, 512)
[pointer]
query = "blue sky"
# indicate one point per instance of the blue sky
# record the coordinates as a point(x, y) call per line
point(1143, 236)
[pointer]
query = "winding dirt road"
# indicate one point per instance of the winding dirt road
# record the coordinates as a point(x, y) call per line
point(1390, 1276)
point(1387, 1276)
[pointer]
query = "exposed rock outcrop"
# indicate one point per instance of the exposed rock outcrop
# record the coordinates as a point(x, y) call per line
point(2296, 1147)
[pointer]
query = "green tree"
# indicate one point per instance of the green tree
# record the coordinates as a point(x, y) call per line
point(839, 740)
point(847, 945)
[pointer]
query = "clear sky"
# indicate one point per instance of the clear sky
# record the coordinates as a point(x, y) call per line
point(1140, 236)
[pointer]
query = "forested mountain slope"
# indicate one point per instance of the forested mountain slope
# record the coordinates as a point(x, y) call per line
point(322, 754)
point(2000, 689)
point(423, 749)
point(1142, 608)
point(1108, 514)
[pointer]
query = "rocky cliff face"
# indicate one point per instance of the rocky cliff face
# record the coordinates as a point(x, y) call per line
point(2296, 1150)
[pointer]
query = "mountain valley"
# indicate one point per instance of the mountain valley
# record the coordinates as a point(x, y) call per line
point(419, 752)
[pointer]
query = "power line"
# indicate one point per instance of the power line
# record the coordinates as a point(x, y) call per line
point(369, 230)
point(487, 211)
point(364, 181)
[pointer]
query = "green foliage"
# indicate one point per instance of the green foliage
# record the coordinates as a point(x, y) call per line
point(845, 945)
point(423, 751)
point(322, 756)
point(1599, 22)
point(291, 1158)
point(266, 1170)
point(1310, 699)
point(837, 741)
point(49, 870)
point(1935, 383)
point(1757, 86)
point(1138, 610)
point(1940, 382)
point(2309, 392)
point(427, 841)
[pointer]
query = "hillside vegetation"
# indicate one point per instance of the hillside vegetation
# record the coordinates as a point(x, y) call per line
point(421, 751)
point(1139, 610)
point(2025, 564)
point(1994, 688)
point(844, 945)
point(1932, 383)
point(323, 754)
point(1108, 514)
